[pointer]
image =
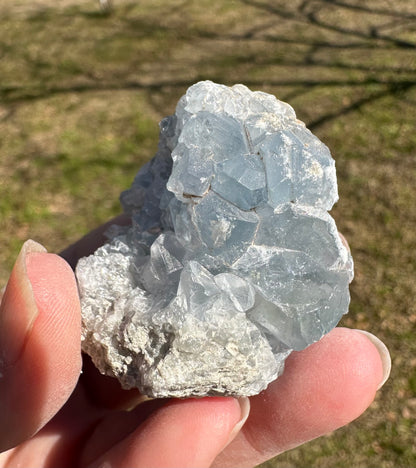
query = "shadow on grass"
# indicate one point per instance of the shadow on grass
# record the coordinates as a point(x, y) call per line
point(325, 43)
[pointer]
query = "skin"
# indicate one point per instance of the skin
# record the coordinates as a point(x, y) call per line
point(53, 416)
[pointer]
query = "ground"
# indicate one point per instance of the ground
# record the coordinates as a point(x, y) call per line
point(82, 90)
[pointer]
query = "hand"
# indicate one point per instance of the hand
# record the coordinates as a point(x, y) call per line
point(52, 416)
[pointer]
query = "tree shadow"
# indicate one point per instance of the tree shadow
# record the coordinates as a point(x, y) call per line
point(292, 49)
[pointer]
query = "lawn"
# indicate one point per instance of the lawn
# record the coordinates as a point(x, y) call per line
point(82, 91)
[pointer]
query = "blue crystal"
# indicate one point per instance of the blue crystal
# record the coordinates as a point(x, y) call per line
point(241, 181)
point(232, 261)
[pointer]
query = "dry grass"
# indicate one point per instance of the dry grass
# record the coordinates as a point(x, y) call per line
point(80, 95)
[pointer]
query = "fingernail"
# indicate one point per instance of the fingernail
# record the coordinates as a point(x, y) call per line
point(244, 403)
point(344, 241)
point(18, 309)
point(2, 291)
point(384, 355)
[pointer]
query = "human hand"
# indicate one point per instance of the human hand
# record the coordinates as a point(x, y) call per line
point(53, 417)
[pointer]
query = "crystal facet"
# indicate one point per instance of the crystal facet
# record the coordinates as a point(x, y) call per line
point(232, 260)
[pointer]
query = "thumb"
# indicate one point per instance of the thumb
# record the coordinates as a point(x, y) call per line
point(40, 357)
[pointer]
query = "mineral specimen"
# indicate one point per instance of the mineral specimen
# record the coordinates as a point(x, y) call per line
point(232, 260)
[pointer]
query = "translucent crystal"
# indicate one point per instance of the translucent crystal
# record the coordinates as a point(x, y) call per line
point(232, 260)
point(242, 181)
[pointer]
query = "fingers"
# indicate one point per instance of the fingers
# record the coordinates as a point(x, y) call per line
point(39, 343)
point(183, 433)
point(322, 388)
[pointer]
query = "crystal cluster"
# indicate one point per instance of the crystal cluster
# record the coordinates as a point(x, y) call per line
point(232, 260)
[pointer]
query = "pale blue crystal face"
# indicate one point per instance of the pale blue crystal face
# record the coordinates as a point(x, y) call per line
point(241, 181)
point(232, 260)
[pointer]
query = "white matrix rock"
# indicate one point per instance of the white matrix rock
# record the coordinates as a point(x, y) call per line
point(232, 260)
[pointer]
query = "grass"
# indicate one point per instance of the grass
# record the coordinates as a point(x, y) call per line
point(81, 93)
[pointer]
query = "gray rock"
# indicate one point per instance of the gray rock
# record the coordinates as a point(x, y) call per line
point(232, 260)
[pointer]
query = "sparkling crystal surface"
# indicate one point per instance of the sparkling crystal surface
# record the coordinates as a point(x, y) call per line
point(232, 260)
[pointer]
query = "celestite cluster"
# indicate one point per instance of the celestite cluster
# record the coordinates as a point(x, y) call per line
point(232, 260)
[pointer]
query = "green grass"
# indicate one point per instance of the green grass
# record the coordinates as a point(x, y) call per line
point(81, 93)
